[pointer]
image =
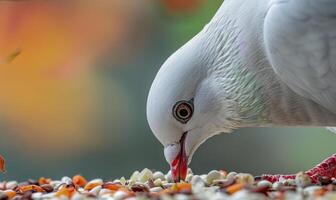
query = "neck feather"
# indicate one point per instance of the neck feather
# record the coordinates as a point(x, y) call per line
point(237, 57)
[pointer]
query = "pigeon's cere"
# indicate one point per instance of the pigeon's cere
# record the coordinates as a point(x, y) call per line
point(259, 63)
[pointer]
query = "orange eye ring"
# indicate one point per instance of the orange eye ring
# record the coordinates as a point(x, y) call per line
point(183, 111)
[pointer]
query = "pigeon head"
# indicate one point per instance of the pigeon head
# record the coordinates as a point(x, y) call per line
point(185, 103)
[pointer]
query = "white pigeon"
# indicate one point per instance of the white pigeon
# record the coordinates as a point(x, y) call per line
point(258, 63)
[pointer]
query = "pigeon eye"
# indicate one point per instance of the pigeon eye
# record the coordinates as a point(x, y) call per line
point(183, 111)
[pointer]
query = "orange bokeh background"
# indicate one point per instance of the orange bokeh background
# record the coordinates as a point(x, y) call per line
point(48, 90)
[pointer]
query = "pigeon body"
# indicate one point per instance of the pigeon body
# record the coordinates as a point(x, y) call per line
point(257, 63)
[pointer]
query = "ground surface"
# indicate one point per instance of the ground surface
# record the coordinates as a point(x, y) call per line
point(156, 185)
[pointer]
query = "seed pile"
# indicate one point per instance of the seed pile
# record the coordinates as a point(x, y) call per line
point(146, 184)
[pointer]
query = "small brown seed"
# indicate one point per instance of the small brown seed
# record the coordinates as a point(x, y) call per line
point(139, 188)
point(261, 189)
point(48, 188)
point(323, 180)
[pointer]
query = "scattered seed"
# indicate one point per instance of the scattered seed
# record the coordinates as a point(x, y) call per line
point(264, 183)
point(235, 188)
point(92, 184)
point(48, 188)
point(139, 188)
point(37, 195)
point(111, 186)
point(231, 175)
point(145, 174)
point(11, 185)
point(277, 185)
point(213, 175)
point(155, 189)
point(32, 188)
point(225, 183)
point(43, 181)
point(197, 180)
point(95, 191)
point(244, 178)
point(79, 180)
point(214, 185)
point(261, 189)
point(150, 183)
point(10, 193)
point(158, 175)
point(323, 180)
point(302, 179)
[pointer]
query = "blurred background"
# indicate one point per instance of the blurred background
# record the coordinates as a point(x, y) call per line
point(74, 78)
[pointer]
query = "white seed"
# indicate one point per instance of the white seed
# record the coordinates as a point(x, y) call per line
point(212, 175)
point(81, 189)
point(104, 191)
point(277, 185)
point(135, 176)
point(189, 177)
point(290, 182)
point(119, 195)
point(157, 182)
point(181, 197)
point(37, 196)
point(223, 174)
point(311, 189)
point(159, 175)
point(116, 181)
point(49, 195)
point(96, 190)
point(287, 181)
point(196, 179)
point(78, 196)
point(244, 194)
point(106, 197)
point(245, 178)
point(264, 183)
point(155, 189)
point(169, 177)
point(302, 179)
point(122, 180)
point(66, 180)
point(97, 180)
point(167, 197)
point(131, 183)
point(55, 184)
point(145, 174)
point(231, 175)
point(11, 185)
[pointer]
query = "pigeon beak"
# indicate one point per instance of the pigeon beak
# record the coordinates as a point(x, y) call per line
point(179, 166)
